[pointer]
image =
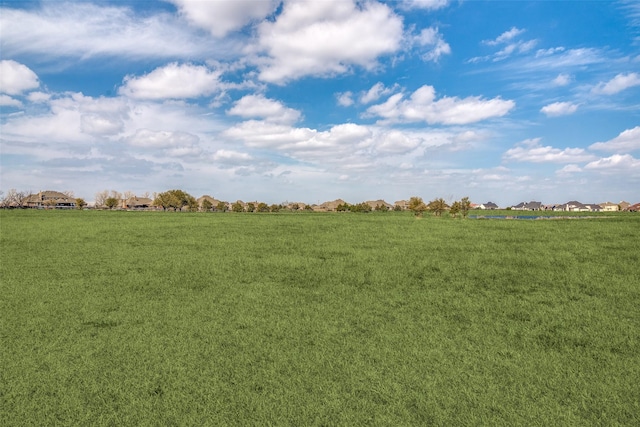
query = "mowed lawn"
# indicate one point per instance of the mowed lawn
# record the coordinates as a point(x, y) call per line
point(153, 318)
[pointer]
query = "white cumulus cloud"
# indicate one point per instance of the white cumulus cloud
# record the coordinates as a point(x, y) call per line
point(432, 39)
point(324, 38)
point(424, 4)
point(16, 78)
point(531, 151)
point(617, 84)
point(559, 109)
point(147, 138)
point(628, 140)
point(257, 106)
point(618, 163)
point(173, 81)
point(85, 30)
point(222, 17)
point(7, 101)
point(423, 106)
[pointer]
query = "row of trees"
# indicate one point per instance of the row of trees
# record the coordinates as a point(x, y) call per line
point(440, 206)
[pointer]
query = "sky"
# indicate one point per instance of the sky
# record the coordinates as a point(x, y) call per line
point(314, 100)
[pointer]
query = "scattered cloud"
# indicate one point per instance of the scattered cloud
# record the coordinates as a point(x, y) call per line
point(423, 4)
point(345, 99)
point(84, 30)
point(626, 141)
point(173, 81)
point(431, 39)
point(562, 80)
point(617, 84)
point(7, 101)
point(146, 138)
point(325, 38)
point(16, 78)
point(559, 109)
point(257, 106)
point(423, 106)
point(505, 37)
point(531, 151)
point(223, 17)
point(376, 92)
point(618, 163)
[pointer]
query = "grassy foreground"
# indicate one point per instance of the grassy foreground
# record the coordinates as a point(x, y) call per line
point(136, 318)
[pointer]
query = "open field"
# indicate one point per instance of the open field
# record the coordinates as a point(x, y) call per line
point(151, 318)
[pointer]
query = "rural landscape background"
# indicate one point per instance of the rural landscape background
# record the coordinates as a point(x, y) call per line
point(367, 275)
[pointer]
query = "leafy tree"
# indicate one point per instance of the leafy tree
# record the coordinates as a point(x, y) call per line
point(207, 205)
point(360, 207)
point(80, 203)
point(111, 202)
point(308, 208)
point(417, 206)
point(397, 208)
point(237, 207)
point(176, 199)
point(465, 206)
point(455, 209)
point(382, 208)
point(295, 207)
point(221, 206)
point(438, 206)
point(275, 208)
point(251, 207)
point(263, 207)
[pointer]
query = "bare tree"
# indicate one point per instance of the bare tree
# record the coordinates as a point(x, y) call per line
point(101, 198)
point(14, 198)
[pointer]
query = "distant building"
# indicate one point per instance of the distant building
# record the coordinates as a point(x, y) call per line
point(531, 206)
point(488, 206)
point(49, 199)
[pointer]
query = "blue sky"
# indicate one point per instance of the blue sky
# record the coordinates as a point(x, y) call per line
point(503, 101)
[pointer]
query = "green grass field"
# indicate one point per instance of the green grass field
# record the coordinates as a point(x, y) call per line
point(151, 318)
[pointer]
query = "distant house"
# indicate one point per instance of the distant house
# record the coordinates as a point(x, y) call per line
point(403, 204)
point(609, 207)
point(329, 206)
point(634, 208)
point(137, 203)
point(531, 206)
point(488, 206)
point(378, 204)
point(575, 206)
point(624, 205)
point(49, 199)
point(214, 202)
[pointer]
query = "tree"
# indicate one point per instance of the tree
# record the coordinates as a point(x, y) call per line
point(438, 206)
point(14, 199)
point(465, 206)
point(382, 208)
point(417, 206)
point(207, 205)
point(221, 206)
point(111, 202)
point(237, 207)
point(397, 208)
point(80, 203)
point(455, 209)
point(251, 207)
point(175, 199)
point(101, 198)
point(295, 207)
point(263, 207)
point(275, 208)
